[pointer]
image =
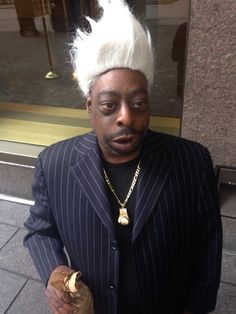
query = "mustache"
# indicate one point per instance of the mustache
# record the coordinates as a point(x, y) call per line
point(125, 132)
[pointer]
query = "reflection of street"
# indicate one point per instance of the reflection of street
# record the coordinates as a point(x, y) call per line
point(26, 14)
point(30, 87)
point(163, 97)
point(178, 55)
point(138, 7)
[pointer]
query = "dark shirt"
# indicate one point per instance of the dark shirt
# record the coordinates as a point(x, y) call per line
point(121, 176)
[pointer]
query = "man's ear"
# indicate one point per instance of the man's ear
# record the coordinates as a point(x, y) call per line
point(88, 104)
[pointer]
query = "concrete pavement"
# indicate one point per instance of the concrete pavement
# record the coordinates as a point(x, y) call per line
point(22, 292)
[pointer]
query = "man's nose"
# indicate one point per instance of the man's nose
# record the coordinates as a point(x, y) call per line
point(125, 116)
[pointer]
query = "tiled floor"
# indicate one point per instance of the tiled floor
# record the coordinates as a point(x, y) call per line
point(21, 291)
point(20, 288)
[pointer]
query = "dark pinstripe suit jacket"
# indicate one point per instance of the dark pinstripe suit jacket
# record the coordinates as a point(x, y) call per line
point(176, 231)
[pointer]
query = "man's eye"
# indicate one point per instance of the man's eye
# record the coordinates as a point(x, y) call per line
point(107, 106)
point(139, 104)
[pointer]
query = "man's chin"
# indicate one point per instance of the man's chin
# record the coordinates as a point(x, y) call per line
point(123, 151)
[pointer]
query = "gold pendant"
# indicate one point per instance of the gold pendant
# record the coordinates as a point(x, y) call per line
point(123, 217)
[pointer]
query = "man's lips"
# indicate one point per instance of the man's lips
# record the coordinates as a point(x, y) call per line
point(123, 139)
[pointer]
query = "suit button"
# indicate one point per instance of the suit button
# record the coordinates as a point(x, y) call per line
point(114, 245)
point(112, 289)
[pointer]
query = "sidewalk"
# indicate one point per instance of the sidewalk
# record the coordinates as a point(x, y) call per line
point(21, 291)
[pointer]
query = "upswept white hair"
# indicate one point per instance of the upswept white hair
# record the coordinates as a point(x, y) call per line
point(116, 40)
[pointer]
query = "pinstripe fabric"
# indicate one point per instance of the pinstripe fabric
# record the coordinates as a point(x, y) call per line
point(177, 228)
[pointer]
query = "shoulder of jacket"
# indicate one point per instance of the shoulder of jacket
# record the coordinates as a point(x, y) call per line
point(180, 147)
point(56, 147)
point(64, 152)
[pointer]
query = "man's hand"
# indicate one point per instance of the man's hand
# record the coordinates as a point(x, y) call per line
point(56, 298)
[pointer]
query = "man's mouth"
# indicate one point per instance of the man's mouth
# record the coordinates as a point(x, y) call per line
point(124, 143)
point(123, 139)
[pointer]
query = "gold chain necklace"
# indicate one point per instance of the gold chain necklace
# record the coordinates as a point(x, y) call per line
point(123, 217)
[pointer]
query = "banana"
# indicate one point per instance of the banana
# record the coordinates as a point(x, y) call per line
point(72, 283)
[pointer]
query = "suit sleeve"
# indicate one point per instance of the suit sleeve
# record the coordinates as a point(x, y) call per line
point(43, 240)
point(205, 279)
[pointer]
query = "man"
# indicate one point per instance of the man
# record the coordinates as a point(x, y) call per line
point(26, 12)
point(136, 211)
point(178, 55)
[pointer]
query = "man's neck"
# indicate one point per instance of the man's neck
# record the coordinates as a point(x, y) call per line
point(120, 159)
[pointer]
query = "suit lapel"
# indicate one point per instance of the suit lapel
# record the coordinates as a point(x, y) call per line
point(88, 173)
point(155, 170)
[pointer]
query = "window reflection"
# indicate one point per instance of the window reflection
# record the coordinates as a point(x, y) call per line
point(26, 13)
point(169, 38)
point(24, 58)
point(178, 55)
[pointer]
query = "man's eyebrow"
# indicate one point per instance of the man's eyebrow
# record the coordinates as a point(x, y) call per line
point(131, 93)
point(138, 91)
point(108, 93)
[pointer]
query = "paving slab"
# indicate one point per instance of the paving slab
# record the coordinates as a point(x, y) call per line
point(31, 300)
point(6, 232)
point(229, 234)
point(15, 257)
point(16, 180)
point(10, 285)
point(229, 267)
point(226, 302)
point(13, 213)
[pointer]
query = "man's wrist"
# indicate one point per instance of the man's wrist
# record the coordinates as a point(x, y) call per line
point(62, 269)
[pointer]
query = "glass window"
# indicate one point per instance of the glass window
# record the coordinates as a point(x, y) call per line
point(40, 102)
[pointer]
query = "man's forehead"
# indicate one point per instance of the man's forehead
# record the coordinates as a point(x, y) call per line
point(119, 82)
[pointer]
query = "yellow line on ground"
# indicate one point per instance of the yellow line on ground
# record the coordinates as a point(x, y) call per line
point(35, 132)
point(32, 132)
point(47, 110)
point(45, 134)
point(164, 122)
point(79, 113)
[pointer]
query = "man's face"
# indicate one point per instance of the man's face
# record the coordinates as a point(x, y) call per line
point(119, 110)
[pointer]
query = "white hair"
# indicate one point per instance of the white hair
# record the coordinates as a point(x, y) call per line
point(116, 40)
